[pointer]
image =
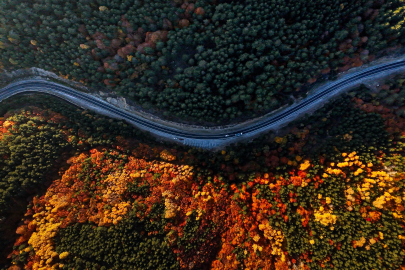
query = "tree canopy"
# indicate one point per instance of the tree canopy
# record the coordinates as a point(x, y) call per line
point(201, 61)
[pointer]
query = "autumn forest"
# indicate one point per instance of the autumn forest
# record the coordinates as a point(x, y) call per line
point(82, 191)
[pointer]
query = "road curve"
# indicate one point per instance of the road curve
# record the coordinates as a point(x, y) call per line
point(216, 138)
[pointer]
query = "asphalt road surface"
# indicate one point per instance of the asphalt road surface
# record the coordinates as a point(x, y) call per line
point(196, 138)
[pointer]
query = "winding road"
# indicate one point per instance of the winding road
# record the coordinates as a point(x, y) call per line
point(215, 138)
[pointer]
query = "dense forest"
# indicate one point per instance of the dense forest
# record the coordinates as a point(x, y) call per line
point(205, 61)
point(81, 191)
